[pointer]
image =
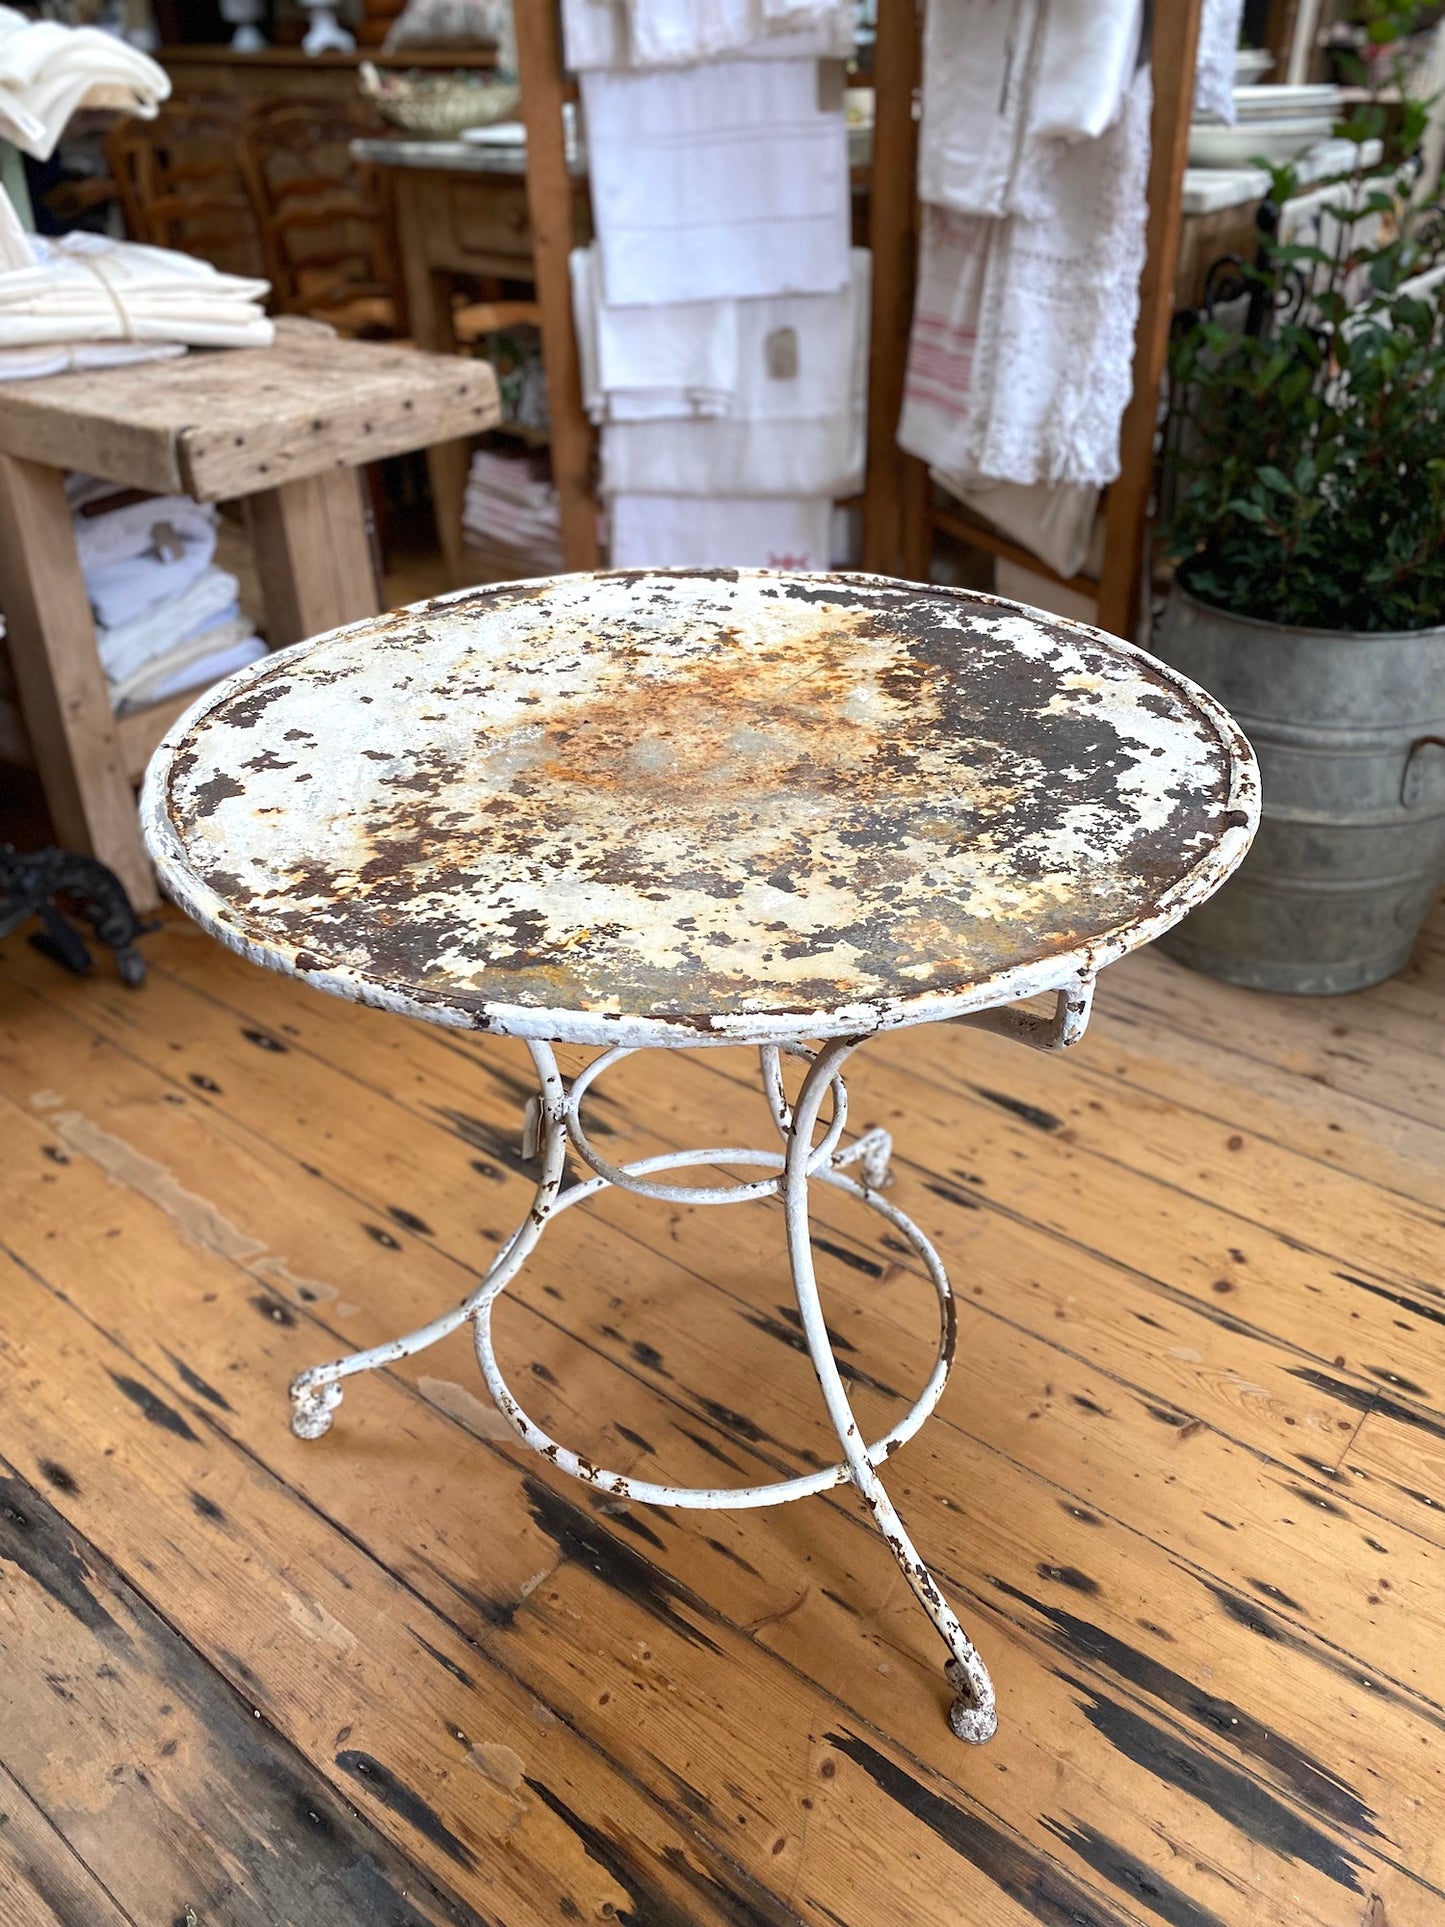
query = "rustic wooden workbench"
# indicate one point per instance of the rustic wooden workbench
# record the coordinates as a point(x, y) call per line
point(286, 428)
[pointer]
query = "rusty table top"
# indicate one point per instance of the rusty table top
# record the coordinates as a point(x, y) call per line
point(667, 807)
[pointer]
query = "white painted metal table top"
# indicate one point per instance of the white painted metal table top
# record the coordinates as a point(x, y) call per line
point(699, 807)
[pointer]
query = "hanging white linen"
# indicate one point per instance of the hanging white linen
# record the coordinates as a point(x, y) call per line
point(1219, 26)
point(640, 34)
point(1056, 521)
point(656, 362)
point(799, 422)
point(709, 532)
point(1088, 50)
point(978, 57)
point(49, 71)
point(719, 181)
point(1021, 357)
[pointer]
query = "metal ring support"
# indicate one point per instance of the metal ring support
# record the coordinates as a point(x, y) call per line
point(316, 1393)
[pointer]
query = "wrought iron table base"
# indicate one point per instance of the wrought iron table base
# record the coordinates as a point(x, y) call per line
point(554, 1125)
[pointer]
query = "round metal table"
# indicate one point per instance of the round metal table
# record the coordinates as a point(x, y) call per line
point(680, 809)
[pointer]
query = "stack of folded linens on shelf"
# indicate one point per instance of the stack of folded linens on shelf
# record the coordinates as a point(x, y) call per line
point(166, 618)
point(510, 520)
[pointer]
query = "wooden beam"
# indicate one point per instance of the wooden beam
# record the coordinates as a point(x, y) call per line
point(1126, 505)
point(549, 202)
point(313, 555)
point(62, 689)
point(892, 236)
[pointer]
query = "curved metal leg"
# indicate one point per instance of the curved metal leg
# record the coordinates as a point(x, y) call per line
point(973, 1715)
point(315, 1394)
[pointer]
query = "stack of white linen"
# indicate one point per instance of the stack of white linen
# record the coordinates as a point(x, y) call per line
point(49, 71)
point(721, 314)
point(85, 301)
point(166, 618)
point(510, 519)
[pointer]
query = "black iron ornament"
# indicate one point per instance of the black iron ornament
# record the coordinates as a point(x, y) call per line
point(34, 883)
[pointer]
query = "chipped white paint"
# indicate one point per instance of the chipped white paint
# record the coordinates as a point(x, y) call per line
point(668, 808)
point(665, 807)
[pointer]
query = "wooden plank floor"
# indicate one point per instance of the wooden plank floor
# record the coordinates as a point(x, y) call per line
point(1187, 1486)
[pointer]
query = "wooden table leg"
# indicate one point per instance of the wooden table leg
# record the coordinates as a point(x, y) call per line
point(312, 555)
point(429, 315)
point(62, 688)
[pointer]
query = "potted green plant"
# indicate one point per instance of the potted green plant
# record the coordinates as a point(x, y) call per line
point(1306, 506)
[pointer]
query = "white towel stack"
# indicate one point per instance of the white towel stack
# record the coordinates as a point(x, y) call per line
point(510, 520)
point(85, 301)
point(48, 72)
point(167, 619)
point(722, 316)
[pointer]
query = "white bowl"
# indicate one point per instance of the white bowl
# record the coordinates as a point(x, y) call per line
point(1251, 64)
point(1271, 141)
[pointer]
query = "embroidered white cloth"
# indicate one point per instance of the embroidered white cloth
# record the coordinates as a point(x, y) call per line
point(1021, 354)
point(695, 532)
point(720, 181)
point(48, 71)
point(663, 33)
point(87, 288)
point(1219, 26)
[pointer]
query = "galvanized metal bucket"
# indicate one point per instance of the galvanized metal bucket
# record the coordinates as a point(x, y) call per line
point(1350, 734)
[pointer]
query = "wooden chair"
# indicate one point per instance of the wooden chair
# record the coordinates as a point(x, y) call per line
point(322, 215)
point(179, 184)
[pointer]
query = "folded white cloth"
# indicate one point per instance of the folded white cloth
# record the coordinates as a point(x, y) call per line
point(799, 357)
point(63, 357)
point(685, 531)
point(127, 647)
point(675, 359)
point(1055, 521)
point(124, 590)
point(104, 536)
point(978, 60)
point(216, 651)
point(1021, 356)
point(639, 34)
point(718, 181)
point(1219, 26)
point(87, 288)
point(799, 423)
point(1088, 51)
point(48, 71)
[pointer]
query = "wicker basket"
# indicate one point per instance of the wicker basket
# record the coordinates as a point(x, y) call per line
point(439, 106)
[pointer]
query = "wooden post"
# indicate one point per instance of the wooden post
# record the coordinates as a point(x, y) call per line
point(549, 203)
point(58, 677)
point(313, 555)
point(1126, 506)
point(892, 237)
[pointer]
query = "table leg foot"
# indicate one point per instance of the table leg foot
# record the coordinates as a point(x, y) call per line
point(973, 1716)
point(312, 1404)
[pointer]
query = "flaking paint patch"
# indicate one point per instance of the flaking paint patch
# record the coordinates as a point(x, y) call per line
point(685, 801)
point(317, 1622)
